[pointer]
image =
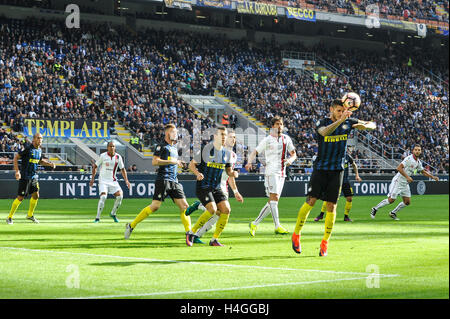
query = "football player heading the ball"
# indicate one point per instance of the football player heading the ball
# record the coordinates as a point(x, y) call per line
point(326, 179)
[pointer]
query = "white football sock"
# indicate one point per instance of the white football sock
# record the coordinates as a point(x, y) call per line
point(201, 207)
point(274, 209)
point(399, 206)
point(117, 204)
point(383, 203)
point(262, 214)
point(101, 204)
point(208, 225)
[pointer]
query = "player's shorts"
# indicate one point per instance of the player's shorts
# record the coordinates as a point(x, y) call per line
point(273, 184)
point(109, 187)
point(164, 188)
point(27, 187)
point(208, 195)
point(325, 185)
point(397, 188)
point(347, 189)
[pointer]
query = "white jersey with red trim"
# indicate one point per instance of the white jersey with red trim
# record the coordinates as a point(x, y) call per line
point(224, 180)
point(276, 150)
point(108, 166)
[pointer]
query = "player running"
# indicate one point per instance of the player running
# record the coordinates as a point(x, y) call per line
point(214, 160)
point(225, 181)
point(400, 183)
point(166, 183)
point(276, 146)
point(326, 178)
point(27, 176)
point(108, 163)
point(347, 190)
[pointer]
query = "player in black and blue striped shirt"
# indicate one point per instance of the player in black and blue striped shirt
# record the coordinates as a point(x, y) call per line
point(166, 183)
point(31, 157)
point(326, 179)
point(214, 160)
point(347, 190)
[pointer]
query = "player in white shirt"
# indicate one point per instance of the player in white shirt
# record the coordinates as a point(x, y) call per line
point(226, 180)
point(109, 163)
point(400, 183)
point(276, 147)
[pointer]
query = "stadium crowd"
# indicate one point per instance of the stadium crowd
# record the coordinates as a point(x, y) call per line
point(99, 72)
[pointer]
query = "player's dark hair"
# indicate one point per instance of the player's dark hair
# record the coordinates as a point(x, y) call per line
point(169, 126)
point(337, 102)
point(276, 119)
point(417, 145)
point(220, 128)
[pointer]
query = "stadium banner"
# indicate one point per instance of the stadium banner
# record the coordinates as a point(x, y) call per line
point(301, 14)
point(68, 189)
point(215, 4)
point(66, 128)
point(256, 8)
point(179, 4)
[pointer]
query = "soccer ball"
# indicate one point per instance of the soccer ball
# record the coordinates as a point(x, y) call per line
point(352, 101)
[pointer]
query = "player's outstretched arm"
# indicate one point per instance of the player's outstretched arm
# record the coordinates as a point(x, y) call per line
point(327, 130)
point(365, 125)
point(428, 174)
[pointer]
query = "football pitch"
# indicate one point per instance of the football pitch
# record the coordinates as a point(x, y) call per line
point(68, 256)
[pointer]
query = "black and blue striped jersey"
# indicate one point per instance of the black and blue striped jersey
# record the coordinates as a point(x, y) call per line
point(332, 148)
point(212, 165)
point(168, 172)
point(348, 161)
point(30, 157)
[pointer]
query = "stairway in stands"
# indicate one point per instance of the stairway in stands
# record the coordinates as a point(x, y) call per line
point(126, 136)
point(241, 110)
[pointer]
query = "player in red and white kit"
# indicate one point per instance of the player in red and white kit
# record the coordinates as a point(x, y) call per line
point(226, 180)
point(276, 147)
point(109, 163)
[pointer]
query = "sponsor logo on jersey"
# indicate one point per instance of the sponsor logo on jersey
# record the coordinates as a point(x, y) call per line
point(216, 165)
point(336, 138)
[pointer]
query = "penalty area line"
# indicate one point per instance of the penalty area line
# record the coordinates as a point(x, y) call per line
point(195, 262)
point(217, 289)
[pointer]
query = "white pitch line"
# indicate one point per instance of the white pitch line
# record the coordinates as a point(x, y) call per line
point(196, 262)
point(216, 289)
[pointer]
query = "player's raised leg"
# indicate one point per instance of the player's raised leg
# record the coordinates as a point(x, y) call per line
point(143, 214)
point(406, 202)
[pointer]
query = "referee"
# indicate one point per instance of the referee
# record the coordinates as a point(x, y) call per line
point(27, 176)
point(326, 179)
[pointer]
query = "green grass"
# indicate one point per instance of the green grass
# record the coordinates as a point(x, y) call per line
point(42, 260)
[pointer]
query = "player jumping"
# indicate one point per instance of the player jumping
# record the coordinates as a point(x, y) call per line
point(326, 178)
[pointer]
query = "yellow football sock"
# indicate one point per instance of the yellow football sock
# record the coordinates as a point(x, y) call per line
point(221, 223)
point(301, 217)
point(201, 221)
point(186, 220)
point(14, 207)
point(348, 206)
point(329, 223)
point(324, 207)
point(141, 216)
point(33, 203)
